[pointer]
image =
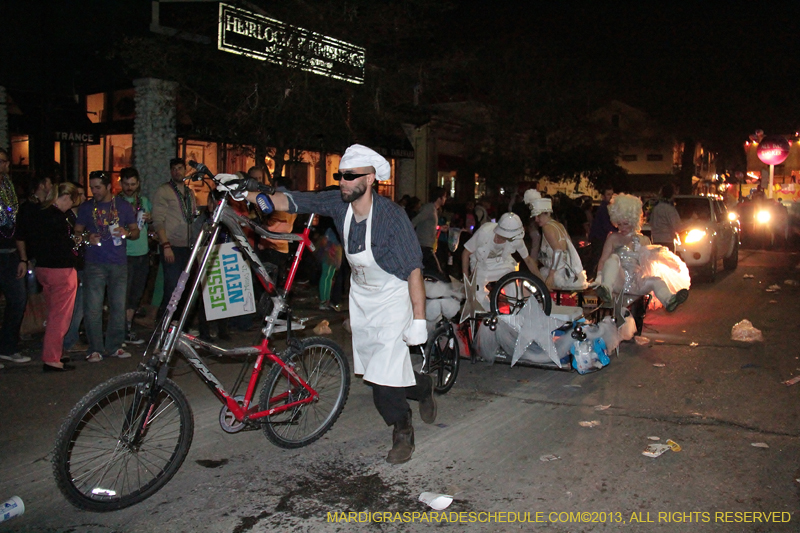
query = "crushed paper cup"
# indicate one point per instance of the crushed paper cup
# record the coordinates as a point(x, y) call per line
point(774, 287)
point(642, 341)
point(656, 450)
point(323, 328)
point(748, 276)
point(601, 407)
point(589, 423)
point(790, 382)
point(674, 446)
point(693, 344)
point(547, 458)
point(437, 502)
point(659, 365)
point(653, 437)
point(745, 332)
point(791, 282)
point(759, 445)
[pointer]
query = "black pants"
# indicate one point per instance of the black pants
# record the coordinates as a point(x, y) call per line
point(430, 261)
point(392, 402)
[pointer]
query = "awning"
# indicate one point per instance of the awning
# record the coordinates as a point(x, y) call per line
point(59, 117)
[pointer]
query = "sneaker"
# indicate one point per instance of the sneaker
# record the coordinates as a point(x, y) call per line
point(16, 358)
point(675, 301)
point(119, 353)
point(131, 338)
point(94, 357)
point(323, 306)
point(335, 307)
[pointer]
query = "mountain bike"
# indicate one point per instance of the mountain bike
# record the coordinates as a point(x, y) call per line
point(128, 437)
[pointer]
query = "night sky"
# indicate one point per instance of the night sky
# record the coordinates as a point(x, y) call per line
point(713, 72)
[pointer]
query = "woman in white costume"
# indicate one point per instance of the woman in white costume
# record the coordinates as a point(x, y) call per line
point(561, 266)
point(630, 265)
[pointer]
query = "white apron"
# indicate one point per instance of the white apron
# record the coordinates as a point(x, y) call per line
point(380, 311)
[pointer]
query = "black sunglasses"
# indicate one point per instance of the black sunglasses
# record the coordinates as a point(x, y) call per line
point(346, 176)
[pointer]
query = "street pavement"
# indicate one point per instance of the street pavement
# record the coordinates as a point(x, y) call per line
point(691, 383)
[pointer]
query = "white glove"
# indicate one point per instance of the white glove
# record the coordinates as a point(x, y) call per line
point(231, 183)
point(416, 333)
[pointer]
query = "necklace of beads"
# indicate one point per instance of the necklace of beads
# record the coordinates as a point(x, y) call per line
point(102, 223)
point(9, 205)
point(186, 203)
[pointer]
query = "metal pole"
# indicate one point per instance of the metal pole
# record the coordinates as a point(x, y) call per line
point(771, 178)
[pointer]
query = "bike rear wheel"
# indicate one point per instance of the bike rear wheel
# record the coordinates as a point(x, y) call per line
point(122, 442)
point(442, 358)
point(321, 364)
point(513, 290)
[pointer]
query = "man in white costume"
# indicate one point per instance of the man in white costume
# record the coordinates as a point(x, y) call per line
point(489, 253)
point(387, 294)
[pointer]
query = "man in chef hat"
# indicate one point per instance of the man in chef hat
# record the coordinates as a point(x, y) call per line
point(387, 294)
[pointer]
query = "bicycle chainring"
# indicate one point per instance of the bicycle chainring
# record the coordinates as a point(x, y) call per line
point(227, 421)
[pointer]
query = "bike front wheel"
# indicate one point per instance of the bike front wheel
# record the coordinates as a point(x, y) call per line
point(122, 442)
point(320, 363)
point(513, 290)
point(442, 358)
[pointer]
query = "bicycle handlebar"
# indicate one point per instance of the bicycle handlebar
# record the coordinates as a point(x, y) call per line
point(244, 183)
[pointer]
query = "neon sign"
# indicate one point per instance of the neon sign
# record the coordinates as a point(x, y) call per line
point(250, 34)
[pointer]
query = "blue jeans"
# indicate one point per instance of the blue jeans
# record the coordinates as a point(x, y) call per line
point(71, 338)
point(16, 298)
point(96, 277)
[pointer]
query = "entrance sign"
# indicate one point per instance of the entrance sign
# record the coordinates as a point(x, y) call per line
point(228, 285)
point(250, 34)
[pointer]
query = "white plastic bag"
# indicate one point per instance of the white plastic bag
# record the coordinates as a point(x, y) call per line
point(745, 332)
point(628, 328)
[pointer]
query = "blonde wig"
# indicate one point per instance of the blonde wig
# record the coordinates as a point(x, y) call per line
point(625, 207)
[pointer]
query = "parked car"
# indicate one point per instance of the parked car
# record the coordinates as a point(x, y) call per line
point(709, 233)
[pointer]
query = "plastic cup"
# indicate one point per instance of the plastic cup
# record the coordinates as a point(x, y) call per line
point(11, 508)
point(117, 240)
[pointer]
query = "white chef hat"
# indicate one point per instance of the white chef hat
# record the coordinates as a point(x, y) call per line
point(537, 204)
point(361, 156)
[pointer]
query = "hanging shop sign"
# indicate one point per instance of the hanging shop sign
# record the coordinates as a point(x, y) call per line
point(228, 285)
point(77, 137)
point(773, 150)
point(250, 34)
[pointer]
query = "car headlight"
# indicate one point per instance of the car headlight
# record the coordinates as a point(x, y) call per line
point(732, 216)
point(763, 216)
point(694, 235)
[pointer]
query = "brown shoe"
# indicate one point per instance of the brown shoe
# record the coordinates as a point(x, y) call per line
point(402, 441)
point(427, 403)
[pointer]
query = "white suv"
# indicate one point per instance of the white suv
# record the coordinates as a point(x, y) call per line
point(709, 233)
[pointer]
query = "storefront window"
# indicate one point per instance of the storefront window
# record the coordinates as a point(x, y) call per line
point(120, 150)
point(96, 107)
point(331, 166)
point(386, 187)
point(19, 151)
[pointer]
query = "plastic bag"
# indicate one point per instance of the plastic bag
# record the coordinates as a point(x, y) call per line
point(628, 328)
point(745, 332)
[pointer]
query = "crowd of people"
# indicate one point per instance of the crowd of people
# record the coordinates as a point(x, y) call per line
point(93, 260)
